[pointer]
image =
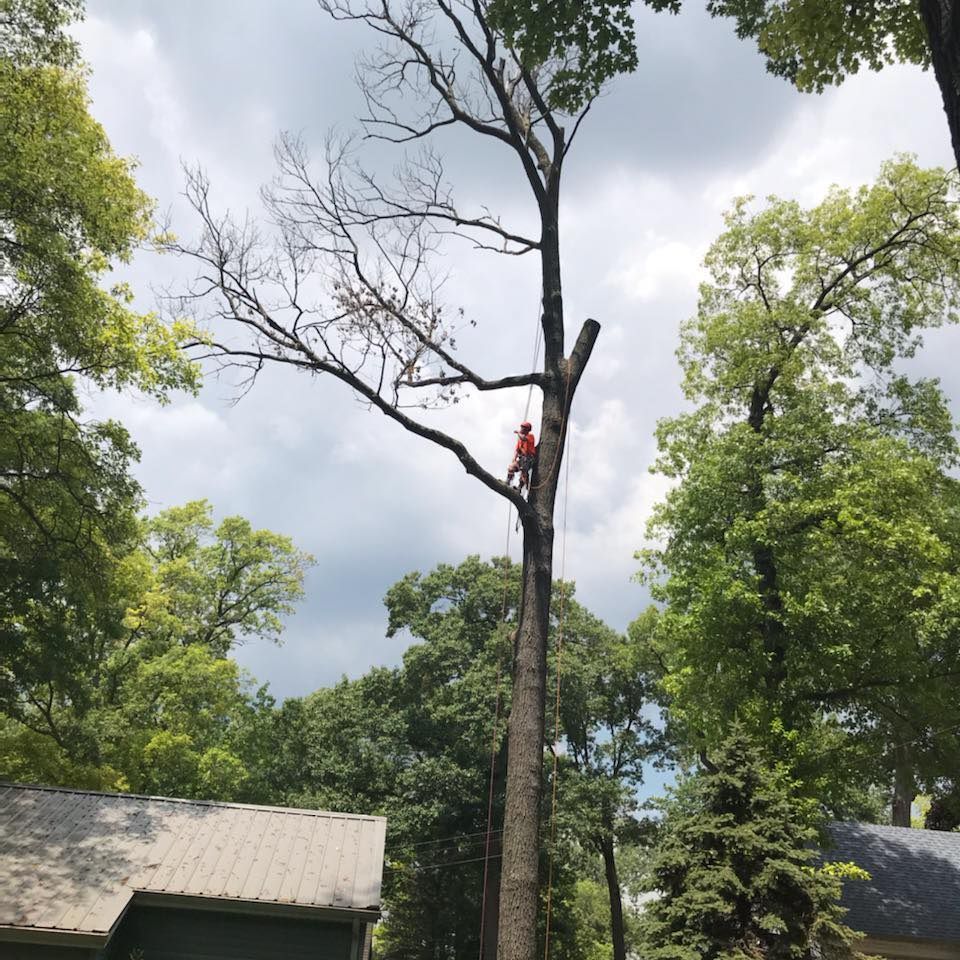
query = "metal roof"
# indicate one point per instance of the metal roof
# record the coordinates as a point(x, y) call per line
point(71, 860)
point(914, 885)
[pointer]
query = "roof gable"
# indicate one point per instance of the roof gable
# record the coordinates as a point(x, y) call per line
point(71, 860)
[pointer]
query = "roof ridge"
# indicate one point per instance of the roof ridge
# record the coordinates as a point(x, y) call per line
point(892, 828)
point(294, 811)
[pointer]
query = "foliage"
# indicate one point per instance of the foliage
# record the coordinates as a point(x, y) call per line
point(810, 549)
point(414, 743)
point(155, 705)
point(589, 921)
point(811, 43)
point(217, 586)
point(69, 211)
point(734, 871)
point(610, 729)
point(814, 44)
point(36, 31)
point(608, 716)
point(594, 42)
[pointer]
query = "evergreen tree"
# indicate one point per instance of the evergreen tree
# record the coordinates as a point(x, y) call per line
point(736, 871)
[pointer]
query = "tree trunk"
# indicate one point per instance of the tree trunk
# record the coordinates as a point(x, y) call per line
point(764, 562)
point(520, 873)
point(904, 787)
point(943, 37)
point(519, 877)
point(616, 902)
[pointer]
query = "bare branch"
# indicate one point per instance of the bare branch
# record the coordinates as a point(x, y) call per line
point(377, 330)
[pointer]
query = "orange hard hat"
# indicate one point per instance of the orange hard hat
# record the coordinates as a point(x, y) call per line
point(526, 425)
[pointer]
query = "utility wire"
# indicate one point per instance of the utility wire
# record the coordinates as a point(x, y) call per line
point(451, 839)
point(442, 866)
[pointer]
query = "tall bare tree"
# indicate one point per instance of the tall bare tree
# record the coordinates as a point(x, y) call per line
point(344, 283)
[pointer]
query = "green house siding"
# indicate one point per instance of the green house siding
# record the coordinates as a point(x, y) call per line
point(164, 933)
point(40, 951)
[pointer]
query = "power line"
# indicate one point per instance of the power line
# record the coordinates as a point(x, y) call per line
point(452, 838)
point(443, 866)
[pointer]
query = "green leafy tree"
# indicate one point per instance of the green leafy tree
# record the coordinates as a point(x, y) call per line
point(810, 548)
point(219, 585)
point(593, 41)
point(37, 32)
point(414, 743)
point(815, 45)
point(69, 211)
point(734, 872)
point(155, 703)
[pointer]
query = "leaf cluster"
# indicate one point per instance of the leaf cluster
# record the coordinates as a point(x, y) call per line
point(414, 743)
point(815, 45)
point(595, 40)
point(69, 211)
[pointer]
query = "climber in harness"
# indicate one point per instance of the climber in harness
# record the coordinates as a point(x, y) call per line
point(524, 455)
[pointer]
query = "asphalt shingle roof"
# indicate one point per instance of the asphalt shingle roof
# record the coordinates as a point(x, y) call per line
point(71, 860)
point(914, 885)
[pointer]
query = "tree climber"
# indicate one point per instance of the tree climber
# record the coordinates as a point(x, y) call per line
point(524, 455)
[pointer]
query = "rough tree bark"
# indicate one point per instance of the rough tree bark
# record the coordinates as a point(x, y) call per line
point(380, 331)
point(942, 25)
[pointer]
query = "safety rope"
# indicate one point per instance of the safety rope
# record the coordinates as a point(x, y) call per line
point(556, 707)
point(538, 339)
point(493, 742)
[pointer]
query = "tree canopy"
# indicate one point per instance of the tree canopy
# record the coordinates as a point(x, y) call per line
point(810, 547)
point(815, 45)
point(69, 211)
point(419, 744)
point(154, 704)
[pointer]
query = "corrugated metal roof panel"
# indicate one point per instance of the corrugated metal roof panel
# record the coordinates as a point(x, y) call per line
point(71, 860)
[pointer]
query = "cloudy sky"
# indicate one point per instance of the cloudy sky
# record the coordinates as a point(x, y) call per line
point(660, 157)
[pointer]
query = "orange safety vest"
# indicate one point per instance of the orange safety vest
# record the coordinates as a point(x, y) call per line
point(526, 445)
